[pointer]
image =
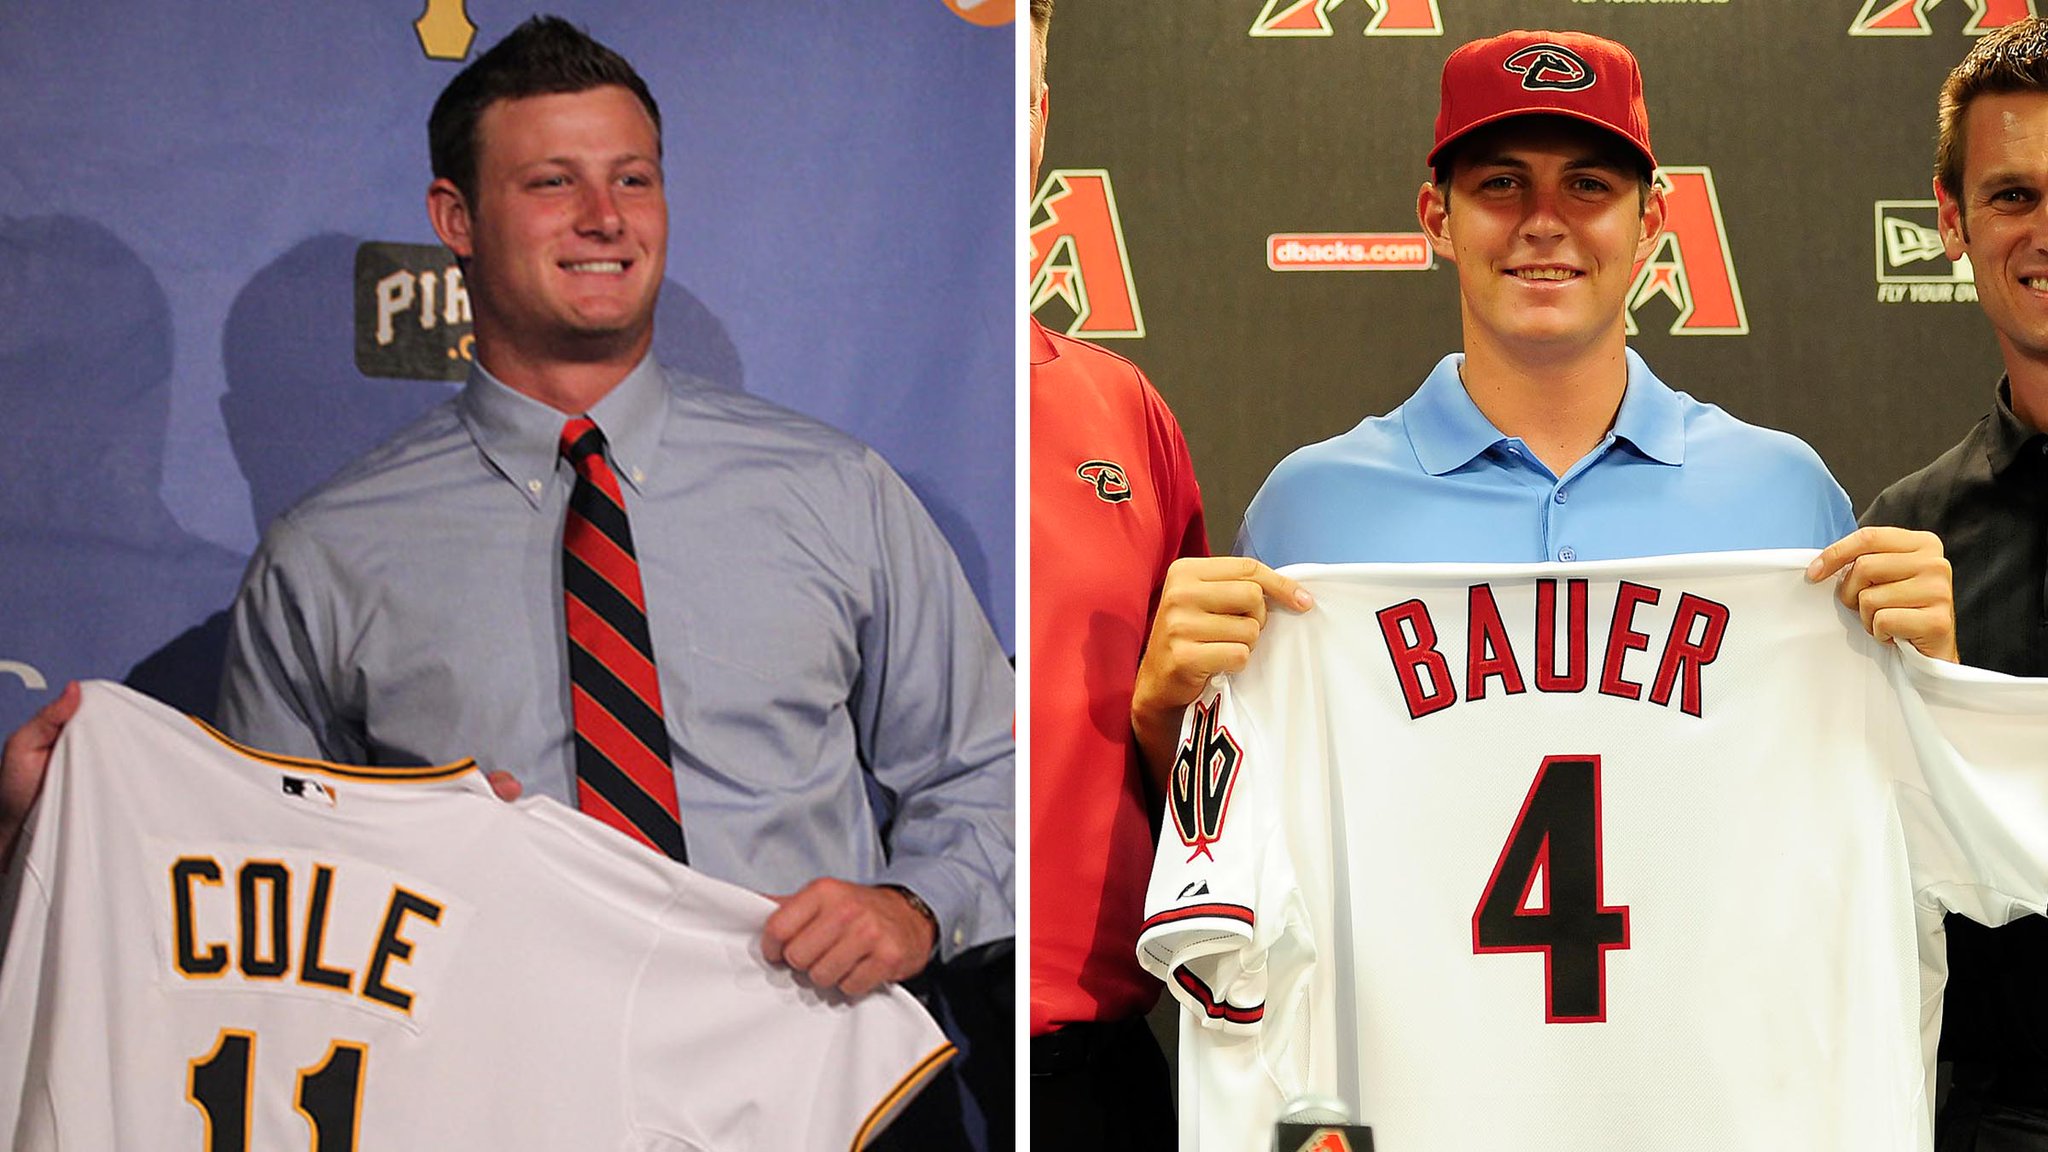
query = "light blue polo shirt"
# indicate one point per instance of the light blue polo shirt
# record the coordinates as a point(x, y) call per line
point(1435, 481)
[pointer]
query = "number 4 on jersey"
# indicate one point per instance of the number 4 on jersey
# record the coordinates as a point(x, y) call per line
point(1545, 892)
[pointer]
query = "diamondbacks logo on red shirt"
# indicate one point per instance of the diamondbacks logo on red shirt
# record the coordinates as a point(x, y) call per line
point(1909, 17)
point(1198, 790)
point(1551, 67)
point(1691, 265)
point(1312, 18)
point(1111, 486)
point(1078, 257)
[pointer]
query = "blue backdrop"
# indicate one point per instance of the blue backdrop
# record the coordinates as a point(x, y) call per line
point(186, 188)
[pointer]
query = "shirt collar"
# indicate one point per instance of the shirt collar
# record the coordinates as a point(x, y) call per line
point(520, 435)
point(2010, 435)
point(1447, 430)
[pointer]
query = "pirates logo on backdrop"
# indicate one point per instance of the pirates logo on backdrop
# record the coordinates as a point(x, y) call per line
point(412, 313)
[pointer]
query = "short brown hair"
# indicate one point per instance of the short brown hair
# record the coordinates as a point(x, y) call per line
point(2012, 59)
point(545, 55)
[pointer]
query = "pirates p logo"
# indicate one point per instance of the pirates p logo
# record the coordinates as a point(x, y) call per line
point(1550, 66)
point(1108, 477)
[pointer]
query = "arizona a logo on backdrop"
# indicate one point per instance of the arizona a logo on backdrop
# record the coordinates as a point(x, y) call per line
point(1312, 18)
point(1909, 17)
point(1691, 266)
point(1078, 257)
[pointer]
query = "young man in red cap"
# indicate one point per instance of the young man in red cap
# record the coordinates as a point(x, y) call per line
point(1547, 438)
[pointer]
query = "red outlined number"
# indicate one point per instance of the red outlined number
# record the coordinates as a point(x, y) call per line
point(1545, 892)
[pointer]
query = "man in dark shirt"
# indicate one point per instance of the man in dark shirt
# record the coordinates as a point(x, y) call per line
point(1987, 498)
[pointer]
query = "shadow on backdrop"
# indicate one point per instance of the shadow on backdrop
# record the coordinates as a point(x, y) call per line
point(96, 570)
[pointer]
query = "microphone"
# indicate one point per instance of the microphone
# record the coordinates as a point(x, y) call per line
point(1318, 1122)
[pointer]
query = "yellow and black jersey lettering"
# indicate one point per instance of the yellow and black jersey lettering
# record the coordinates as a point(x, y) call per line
point(191, 960)
point(392, 946)
point(312, 966)
point(265, 919)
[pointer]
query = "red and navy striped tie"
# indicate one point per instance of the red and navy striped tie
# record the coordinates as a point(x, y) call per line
point(623, 775)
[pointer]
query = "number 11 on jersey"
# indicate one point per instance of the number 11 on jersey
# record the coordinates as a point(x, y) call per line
point(1545, 893)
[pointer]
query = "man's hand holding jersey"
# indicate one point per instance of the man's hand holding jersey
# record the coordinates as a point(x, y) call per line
point(853, 937)
point(1899, 582)
point(1211, 610)
point(25, 760)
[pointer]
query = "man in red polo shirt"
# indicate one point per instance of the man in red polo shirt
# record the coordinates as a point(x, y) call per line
point(1113, 504)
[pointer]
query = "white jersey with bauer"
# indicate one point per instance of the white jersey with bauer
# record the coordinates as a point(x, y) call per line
point(212, 949)
point(1573, 858)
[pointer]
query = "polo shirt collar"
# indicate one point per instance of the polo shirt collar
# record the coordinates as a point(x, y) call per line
point(520, 435)
point(2010, 435)
point(1448, 431)
point(1652, 417)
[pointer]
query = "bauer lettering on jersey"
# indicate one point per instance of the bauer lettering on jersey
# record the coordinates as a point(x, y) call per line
point(322, 926)
point(1687, 641)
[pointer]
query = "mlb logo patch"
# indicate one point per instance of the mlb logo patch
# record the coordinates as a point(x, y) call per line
point(308, 789)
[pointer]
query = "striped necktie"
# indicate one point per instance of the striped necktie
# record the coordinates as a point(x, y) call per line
point(623, 775)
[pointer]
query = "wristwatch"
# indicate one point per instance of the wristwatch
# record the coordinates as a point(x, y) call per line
point(917, 905)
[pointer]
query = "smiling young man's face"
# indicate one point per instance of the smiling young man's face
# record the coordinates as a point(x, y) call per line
point(2001, 218)
point(567, 239)
point(1545, 218)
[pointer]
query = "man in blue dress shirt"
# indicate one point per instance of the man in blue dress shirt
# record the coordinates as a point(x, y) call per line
point(1546, 438)
point(838, 709)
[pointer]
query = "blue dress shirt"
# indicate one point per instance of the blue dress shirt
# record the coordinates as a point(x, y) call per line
point(836, 701)
point(1435, 481)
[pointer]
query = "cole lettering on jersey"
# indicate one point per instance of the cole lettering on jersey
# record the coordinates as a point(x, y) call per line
point(338, 930)
point(1685, 647)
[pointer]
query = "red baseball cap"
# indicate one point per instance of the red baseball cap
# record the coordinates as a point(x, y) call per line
point(1572, 74)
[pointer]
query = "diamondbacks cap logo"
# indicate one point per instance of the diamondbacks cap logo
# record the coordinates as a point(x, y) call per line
point(1691, 266)
point(1107, 476)
point(1909, 17)
point(1550, 67)
point(1198, 790)
point(1912, 262)
point(1078, 259)
point(1312, 18)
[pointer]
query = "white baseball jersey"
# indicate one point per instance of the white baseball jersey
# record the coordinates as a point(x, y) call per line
point(1637, 855)
point(212, 949)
